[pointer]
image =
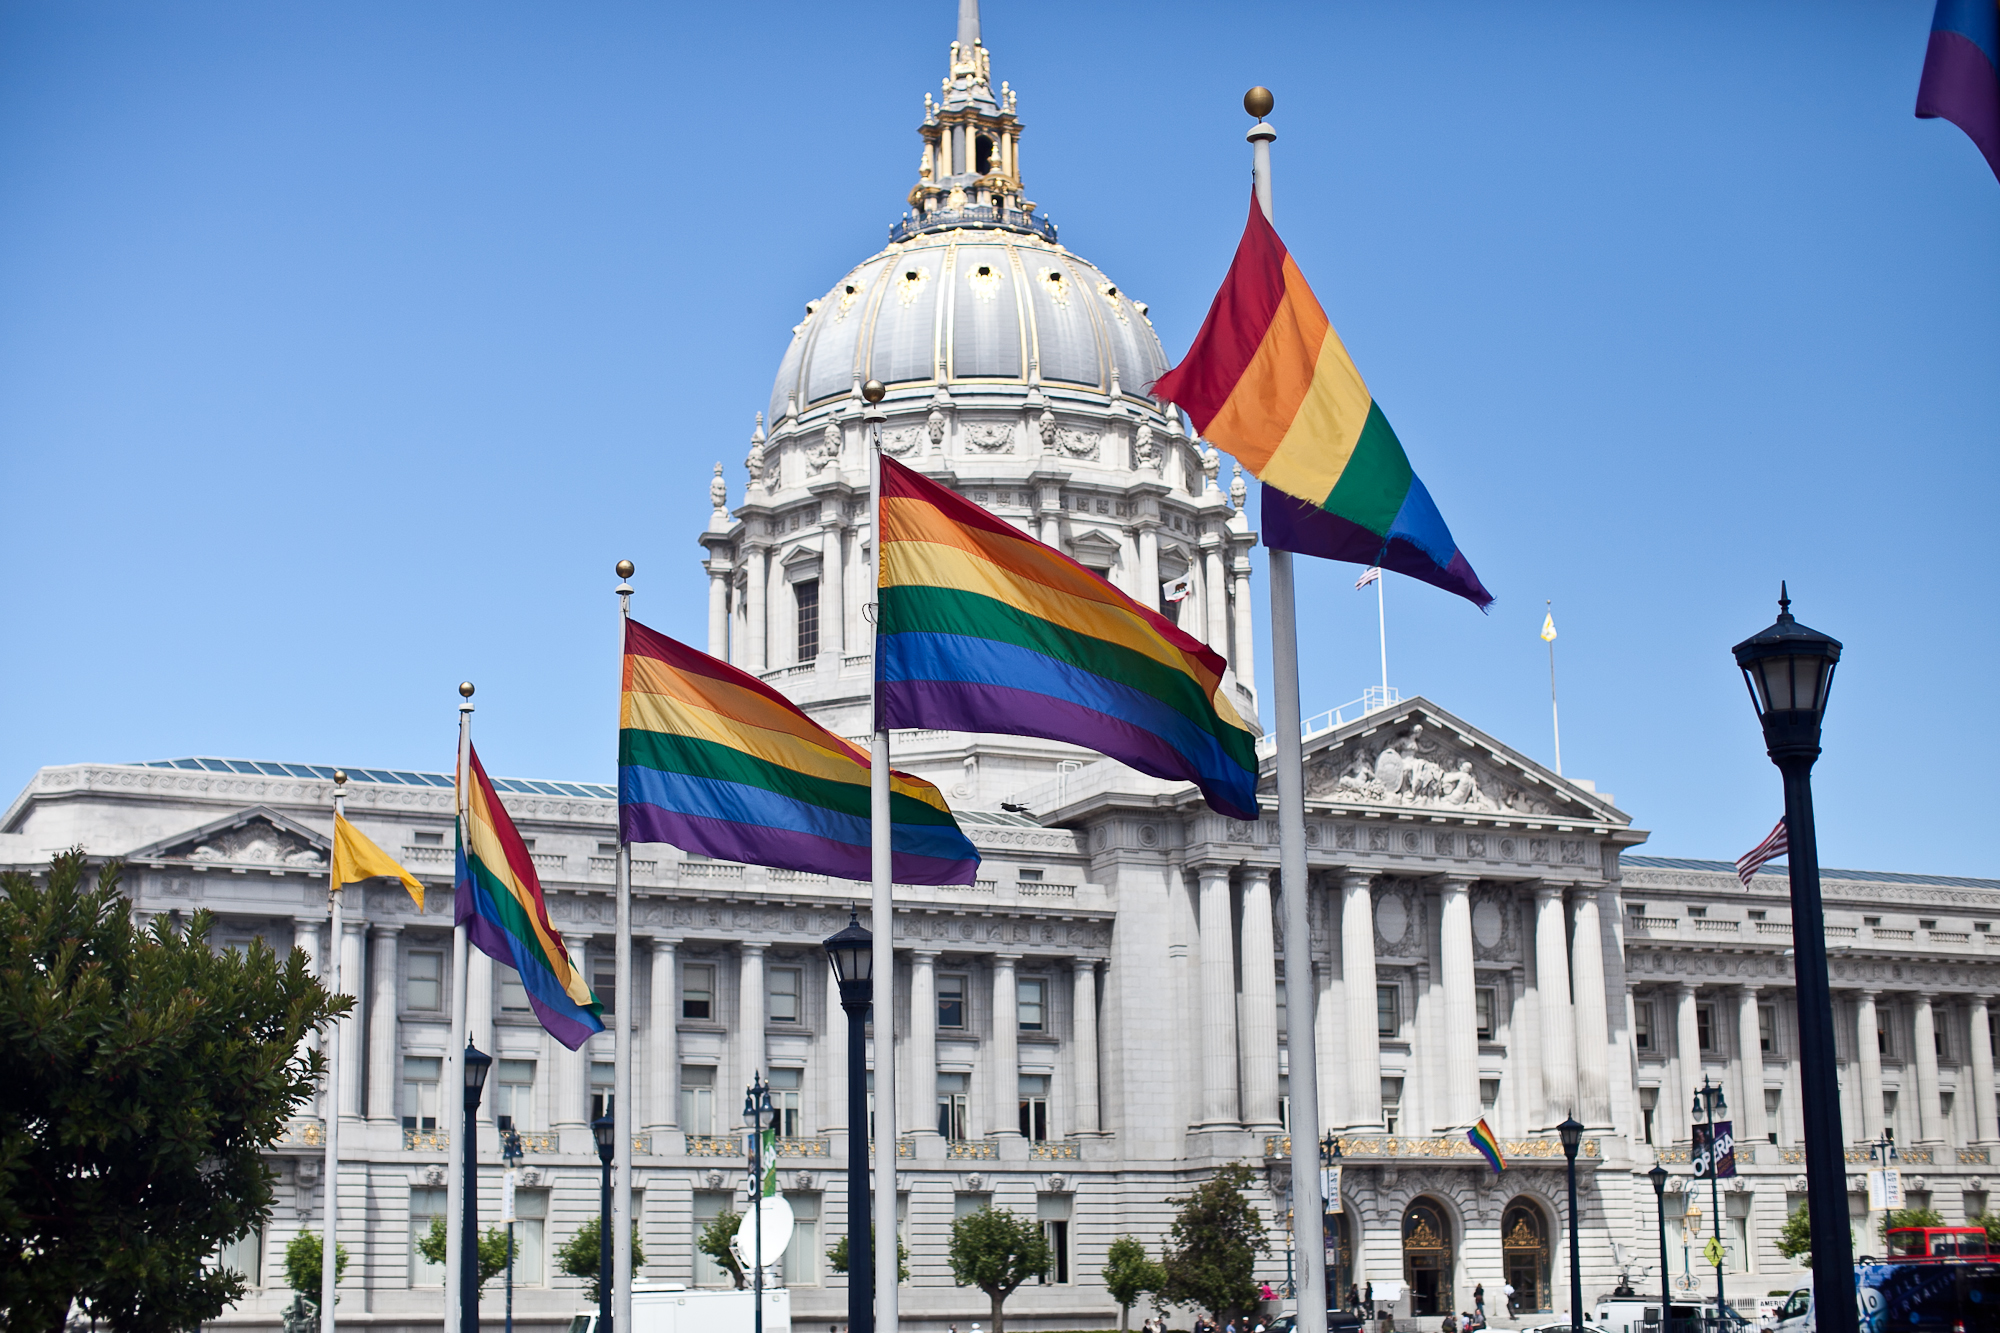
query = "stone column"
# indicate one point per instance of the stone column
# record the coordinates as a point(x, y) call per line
point(1552, 980)
point(1868, 1051)
point(1461, 1017)
point(663, 1060)
point(1220, 1107)
point(833, 1059)
point(1930, 1114)
point(1149, 565)
point(1687, 1056)
point(833, 593)
point(749, 1027)
point(1215, 594)
point(1985, 1115)
point(1591, 1013)
point(353, 945)
point(1330, 1024)
point(718, 609)
point(1244, 658)
point(305, 935)
point(1083, 1045)
point(571, 1097)
point(1750, 1127)
point(1004, 1068)
point(1357, 965)
point(382, 1026)
point(922, 1117)
point(1259, 1037)
point(757, 561)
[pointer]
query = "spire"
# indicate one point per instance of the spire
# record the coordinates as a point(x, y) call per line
point(968, 23)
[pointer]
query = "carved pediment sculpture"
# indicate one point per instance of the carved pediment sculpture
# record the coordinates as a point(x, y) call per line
point(256, 836)
point(1411, 768)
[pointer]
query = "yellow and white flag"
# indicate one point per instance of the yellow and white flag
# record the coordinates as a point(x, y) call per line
point(1549, 628)
point(355, 858)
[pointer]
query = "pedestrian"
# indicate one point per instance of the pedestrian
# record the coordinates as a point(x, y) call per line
point(1507, 1290)
point(1479, 1300)
point(1264, 1292)
point(1353, 1297)
point(1449, 1325)
point(1368, 1298)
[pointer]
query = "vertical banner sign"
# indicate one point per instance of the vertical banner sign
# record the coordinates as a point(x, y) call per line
point(1329, 1189)
point(1885, 1190)
point(508, 1182)
point(1699, 1152)
point(1723, 1150)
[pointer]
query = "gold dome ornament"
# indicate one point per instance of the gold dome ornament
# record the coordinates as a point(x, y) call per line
point(1258, 101)
point(874, 391)
point(626, 569)
point(465, 689)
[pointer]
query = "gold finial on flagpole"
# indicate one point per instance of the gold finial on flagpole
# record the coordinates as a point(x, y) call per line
point(874, 391)
point(1258, 101)
point(465, 689)
point(626, 569)
point(340, 777)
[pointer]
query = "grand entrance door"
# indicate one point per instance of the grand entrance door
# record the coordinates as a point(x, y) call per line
point(1524, 1254)
point(1427, 1258)
point(1339, 1261)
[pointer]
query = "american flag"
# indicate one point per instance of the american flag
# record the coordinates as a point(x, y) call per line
point(1770, 849)
point(1367, 578)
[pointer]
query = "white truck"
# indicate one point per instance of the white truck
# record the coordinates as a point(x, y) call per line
point(671, 1309)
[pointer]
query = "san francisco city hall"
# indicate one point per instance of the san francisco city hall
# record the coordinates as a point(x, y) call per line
point(1098, 1022)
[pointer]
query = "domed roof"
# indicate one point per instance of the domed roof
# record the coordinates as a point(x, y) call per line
point(969, 306)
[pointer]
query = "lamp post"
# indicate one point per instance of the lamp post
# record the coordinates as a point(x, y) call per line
point(851, 952)
point(759, 1114)
point(1329, 1165)
point(1658, 1175)
point(1708, 1104)
point(605, 1130)
point(510, 1153)
point(1572, 1137)
point(1883, 1151)
point(1789, 670)
point(477, 1062)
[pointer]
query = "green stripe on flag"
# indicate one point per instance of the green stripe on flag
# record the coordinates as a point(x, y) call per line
point(1376, 479)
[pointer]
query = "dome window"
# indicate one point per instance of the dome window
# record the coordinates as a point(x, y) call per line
point(1058, 289)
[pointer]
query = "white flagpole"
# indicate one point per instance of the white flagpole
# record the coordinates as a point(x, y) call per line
point(1307, 1222)
point(1555, 720)
point(882, 921)
point(451, 1094)
point(329, 1272)
point(1382, 631)
point(621, 1021)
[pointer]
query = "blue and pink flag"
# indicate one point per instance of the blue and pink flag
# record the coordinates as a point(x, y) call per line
point(1961, 80)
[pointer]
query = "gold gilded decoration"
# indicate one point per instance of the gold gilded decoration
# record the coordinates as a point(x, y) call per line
point(984, 281)
point(1421, 1236)
point(1110, 295)
point(1279, 1145)
point(1521, 1237)
point(849, 293)
point(911, 284)
point(1058, 287)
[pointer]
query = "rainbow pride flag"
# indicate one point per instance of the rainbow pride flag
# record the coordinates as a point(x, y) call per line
point(715, 761)
point(499, 902)
point(1481, 1137)
point(983, 628)
point(1268, 380)
point(1961, 80)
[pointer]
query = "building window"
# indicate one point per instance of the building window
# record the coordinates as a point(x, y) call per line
point(1767, 1028)
point(604, 984)
point(513, 995)
point(1392, 1103)
point(1774, 1109)
point(1704, 1027)
point(786, 1092)
point(420, 1091)
point(802, 1255)
point(1035, 1107)
point(1489, 1094)
point(1889, 1114)
point(708, 1205)
point(1871, 920)
point(698, 992)
point(514, 1093)
point(1642, 1025)
point(603, 1078)
point(1482, 1006)
point(953, 1101)
point(1028, 874)
point(531, 1219)
point(244, 1256)
point(783, 995)
point(951, 1001)
point(1882, 1043)
point(426, 1202)
point(1388, 1012)
point(1053, 1211)
point(698, 1099)
point(1029, 1003)
point(807, 595)
point(428, 839)
point(1943, 1046)
point(426, 985)
point(1697, 912)
point(1649, 1101)
point(1285, 1102)
point(1758, 914)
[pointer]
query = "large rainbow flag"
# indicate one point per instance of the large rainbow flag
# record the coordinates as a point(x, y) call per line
point(499, 902)
point(983, 628)
point(715, 761)
point(1961, 80)
point(1268, 380)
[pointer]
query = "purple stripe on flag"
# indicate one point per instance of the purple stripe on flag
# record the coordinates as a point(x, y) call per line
point(758, 844)
point(1292, 524)
point(1961, 85)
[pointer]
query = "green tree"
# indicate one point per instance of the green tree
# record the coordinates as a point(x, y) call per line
point(146, 1072)
point(433, 1245)
point(1129, 1273)
point(1991, 1221)
point(1908, 1217)
point(836, 1258)
point(303, 1265)
point(714, 1242)
point(577, 1256)
point(996, 1251)
point(1795, 1237)
point(1213, 1245)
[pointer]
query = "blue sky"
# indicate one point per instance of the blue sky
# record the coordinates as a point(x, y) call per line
point(344, 348)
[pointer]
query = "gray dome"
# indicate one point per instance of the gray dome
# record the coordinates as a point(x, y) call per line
point(968, 307)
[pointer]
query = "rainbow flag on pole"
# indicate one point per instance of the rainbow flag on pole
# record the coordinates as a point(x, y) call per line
point(715, 761)
point(1481, 1137)
point(983, 628)
point(1268, 380)
point(1961, 80)
point(499, 902)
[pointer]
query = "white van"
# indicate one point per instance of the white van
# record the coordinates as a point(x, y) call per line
point(671, 1309)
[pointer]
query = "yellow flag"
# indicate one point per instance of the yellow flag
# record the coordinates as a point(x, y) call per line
point(355, 859)
point(1549, 628)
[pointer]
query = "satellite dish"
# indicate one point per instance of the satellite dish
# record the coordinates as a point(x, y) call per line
point(777, 1215)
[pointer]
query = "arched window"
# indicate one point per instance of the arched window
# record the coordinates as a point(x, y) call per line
point(1427, 1258)
point(1524, 1254)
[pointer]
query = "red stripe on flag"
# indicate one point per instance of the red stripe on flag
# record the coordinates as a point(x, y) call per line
point(1237, 321)
point(1774, 846)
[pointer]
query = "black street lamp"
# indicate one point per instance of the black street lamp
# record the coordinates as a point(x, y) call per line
point(1572, 1137)
point(760, 1115)
point(477, 1062)
point(1658, 1175)
point(510, 1153)
point(1708, 1104)
point(1789, 670)
point(605, 1130)
point(852, 953)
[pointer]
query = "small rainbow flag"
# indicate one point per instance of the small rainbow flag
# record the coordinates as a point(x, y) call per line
point(1268, 380)
point(715, 761)
point(983, 628)
point(1481, 1137)
point(499, 902)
